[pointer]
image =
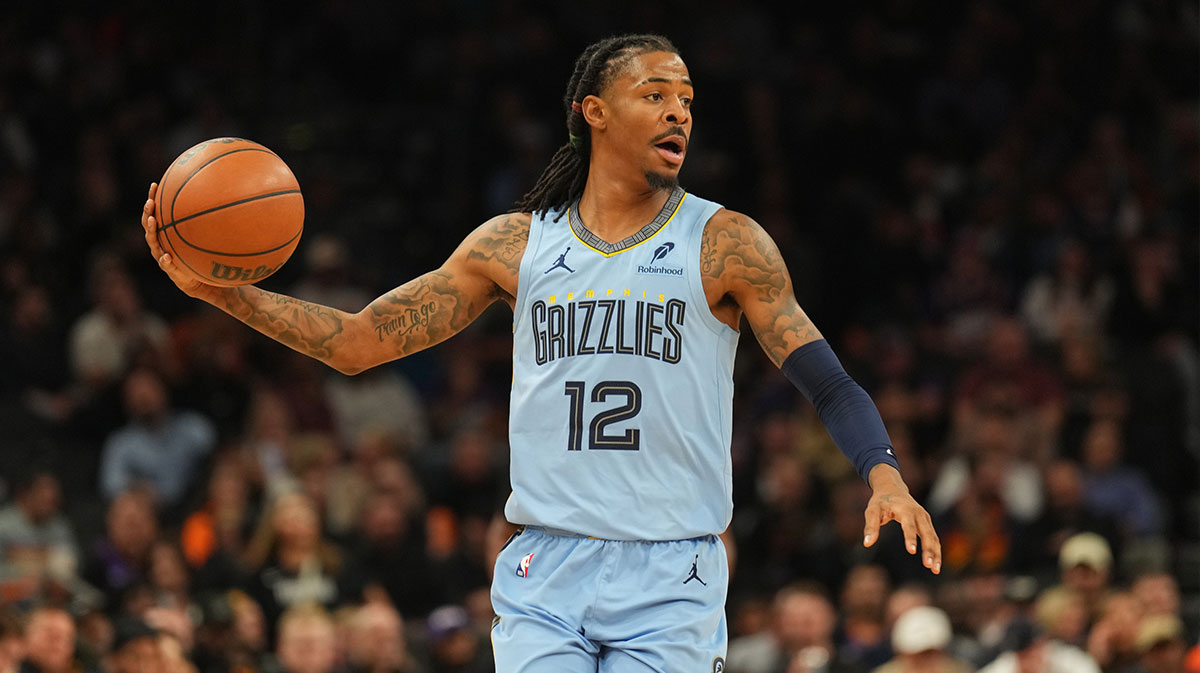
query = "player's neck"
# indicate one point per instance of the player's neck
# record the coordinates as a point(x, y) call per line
point(616, 208)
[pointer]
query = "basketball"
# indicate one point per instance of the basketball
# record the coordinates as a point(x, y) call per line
point(229, 211)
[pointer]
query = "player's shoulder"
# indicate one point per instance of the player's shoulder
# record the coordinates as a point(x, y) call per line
point(505, 230)
point(731, 235)
point(506, 224)
point(495, 248)
point(731, 226)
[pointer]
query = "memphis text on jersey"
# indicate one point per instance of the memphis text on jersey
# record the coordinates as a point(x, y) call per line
point(608, 322)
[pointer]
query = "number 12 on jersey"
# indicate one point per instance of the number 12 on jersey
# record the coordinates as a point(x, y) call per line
point(598, 437)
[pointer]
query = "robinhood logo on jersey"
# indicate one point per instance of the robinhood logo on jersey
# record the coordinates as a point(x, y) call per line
point(655, 268)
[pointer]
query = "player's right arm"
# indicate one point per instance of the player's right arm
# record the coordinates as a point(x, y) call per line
point(416, 315)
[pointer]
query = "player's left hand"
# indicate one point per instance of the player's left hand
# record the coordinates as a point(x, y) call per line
point(891, 501)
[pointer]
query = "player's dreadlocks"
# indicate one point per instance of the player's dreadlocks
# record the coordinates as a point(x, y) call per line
point(562, 181)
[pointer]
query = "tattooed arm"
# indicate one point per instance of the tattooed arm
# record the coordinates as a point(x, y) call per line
point(420, 313)
point(743, 272)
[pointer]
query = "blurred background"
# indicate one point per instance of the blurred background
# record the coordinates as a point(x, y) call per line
point(989, 208)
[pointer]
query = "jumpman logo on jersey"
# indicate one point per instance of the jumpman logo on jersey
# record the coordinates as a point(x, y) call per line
point(694, 575)
point(562, 262)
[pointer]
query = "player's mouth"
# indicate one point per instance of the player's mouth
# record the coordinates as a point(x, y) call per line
point(672, 148)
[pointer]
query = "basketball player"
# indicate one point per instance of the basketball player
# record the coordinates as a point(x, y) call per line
point(627, 295)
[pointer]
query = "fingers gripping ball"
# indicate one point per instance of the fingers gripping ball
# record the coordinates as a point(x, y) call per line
point(229, 211)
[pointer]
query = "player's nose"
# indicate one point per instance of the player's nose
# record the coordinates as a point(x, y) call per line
point(675, 113)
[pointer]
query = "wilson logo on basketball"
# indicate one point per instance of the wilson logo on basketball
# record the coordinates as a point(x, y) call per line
point(238, 273)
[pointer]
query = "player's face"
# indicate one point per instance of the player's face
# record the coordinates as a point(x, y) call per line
point(651, 101)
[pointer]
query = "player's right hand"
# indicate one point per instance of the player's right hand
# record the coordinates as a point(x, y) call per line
point(183, 280)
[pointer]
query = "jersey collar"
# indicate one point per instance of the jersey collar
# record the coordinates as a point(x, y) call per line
point(609, 249)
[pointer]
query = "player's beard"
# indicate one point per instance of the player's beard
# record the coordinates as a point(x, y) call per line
point(656, 181)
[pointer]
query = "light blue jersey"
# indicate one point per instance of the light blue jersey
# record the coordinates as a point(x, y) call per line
point(622, 396)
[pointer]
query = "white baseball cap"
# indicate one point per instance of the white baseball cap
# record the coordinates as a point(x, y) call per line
point(919, 629)
point(1088, 549)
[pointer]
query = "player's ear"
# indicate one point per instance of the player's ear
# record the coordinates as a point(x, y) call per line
point(595, 111)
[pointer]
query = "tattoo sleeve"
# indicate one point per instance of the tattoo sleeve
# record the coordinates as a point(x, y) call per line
point(421, 313)
point(500, 244)
point(739, 255)
point(309, 328)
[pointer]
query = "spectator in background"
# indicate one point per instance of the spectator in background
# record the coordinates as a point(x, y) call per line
point(455, 646)
point(1153, 326)
point(1086, 565)
point(35, 536)
point(175, 655)
point(391, 549)
point(1115, 490)
point(905, 598)
point(1010, 380)
point(12, 641)
point(354, 481)
point(110, 338)
point(270, 428)
point(119, 560)
point(169, 578)
point(968, 295)
point(1161, 645)
point(213, 537)
point(381, 401)
point(159, 448)
point(1063, 614)
point(1092, 388)
point(307, 641)
point(1157, 593)
point(782, 534)
point(977, 529)
point(249, 648)
point(291, 564)
point(1027, 650)
point(377, 642)
point(1112, 640)
point(50, 642)
point(135, 648)
point(216, 375)
point(37, 375)
point(802, 628)
point(992, 456)
point(1069, 300)
point(215, 647)
point(919, 641)
point(862, 636)
point(1066, 514)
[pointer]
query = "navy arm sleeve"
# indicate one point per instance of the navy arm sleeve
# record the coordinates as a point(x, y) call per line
point(844, 407)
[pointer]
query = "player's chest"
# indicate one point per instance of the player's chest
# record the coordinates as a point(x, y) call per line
point(660, 264)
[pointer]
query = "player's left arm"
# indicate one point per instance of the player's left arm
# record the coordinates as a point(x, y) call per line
point(741, 261)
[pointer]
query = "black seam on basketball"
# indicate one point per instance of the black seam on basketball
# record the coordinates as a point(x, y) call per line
point(201, 167)
point(158, 216)
point(175, 257)
point(227, 205)
point(240, 254)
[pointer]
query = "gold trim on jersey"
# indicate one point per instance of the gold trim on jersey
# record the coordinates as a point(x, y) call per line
point(586, 237)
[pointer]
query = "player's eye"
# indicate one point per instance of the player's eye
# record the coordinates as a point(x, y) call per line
point(686, 101)
point(656, 97)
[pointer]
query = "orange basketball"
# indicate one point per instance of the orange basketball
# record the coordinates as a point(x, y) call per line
point(229, 211)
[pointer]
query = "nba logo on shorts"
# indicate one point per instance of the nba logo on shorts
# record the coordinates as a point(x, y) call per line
point(523, 566)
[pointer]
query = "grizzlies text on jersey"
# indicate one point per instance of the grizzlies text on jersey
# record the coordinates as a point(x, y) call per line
point(622, 396)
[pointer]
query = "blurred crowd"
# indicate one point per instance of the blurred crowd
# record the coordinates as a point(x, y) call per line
point(989, 208)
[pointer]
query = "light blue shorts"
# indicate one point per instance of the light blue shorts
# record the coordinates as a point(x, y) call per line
point(569, 604)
